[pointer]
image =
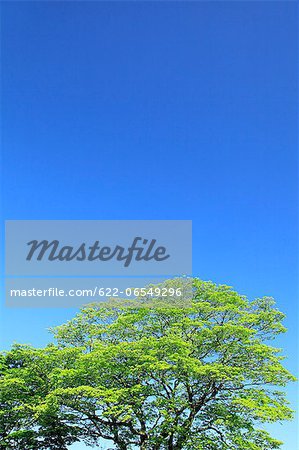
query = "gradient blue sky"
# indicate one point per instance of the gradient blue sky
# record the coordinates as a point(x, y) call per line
point(158, 110)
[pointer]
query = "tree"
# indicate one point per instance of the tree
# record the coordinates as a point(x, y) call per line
point(25, 381)
point(152, 375)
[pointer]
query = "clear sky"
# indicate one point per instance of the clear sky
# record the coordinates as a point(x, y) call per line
point(158, 110)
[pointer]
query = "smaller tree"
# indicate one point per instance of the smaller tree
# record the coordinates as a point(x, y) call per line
point(25, 382)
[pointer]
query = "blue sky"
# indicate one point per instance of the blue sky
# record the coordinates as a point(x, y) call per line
point(158, 110)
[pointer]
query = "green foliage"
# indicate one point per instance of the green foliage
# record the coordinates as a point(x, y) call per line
point(151, 375)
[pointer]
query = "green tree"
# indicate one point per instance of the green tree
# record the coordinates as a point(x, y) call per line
point(25, 380)
point(152, 375)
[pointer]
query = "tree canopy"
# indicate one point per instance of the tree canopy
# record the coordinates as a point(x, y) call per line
point(151, 376)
